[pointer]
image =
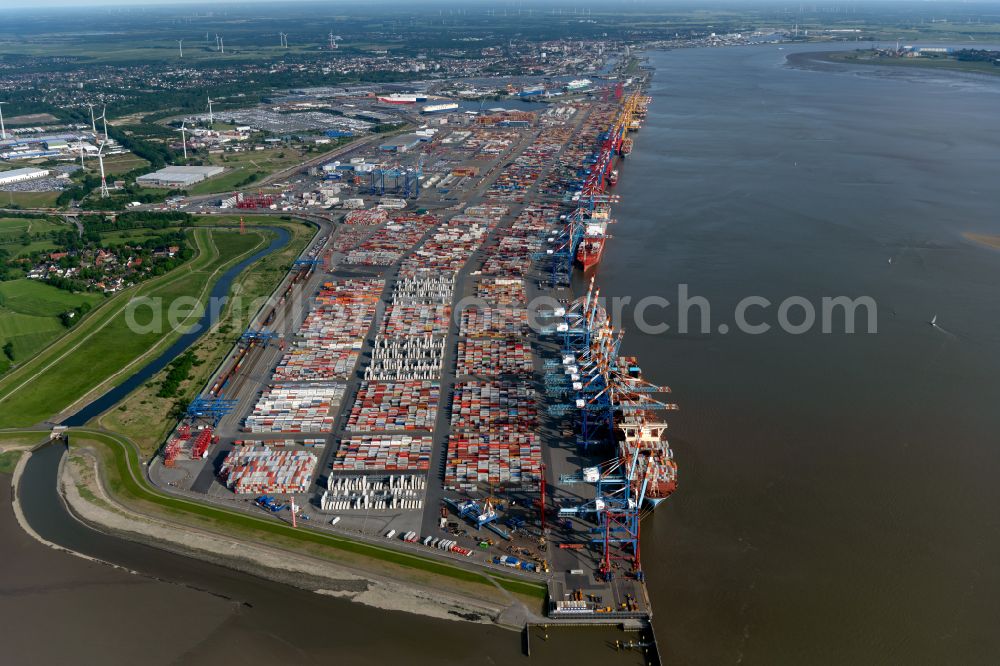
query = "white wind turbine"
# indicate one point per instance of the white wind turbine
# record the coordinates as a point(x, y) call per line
point(100, 154)
point(211, 116)
point(184, 140)
point(3, 130)
point(93, 124)
point(180, 47)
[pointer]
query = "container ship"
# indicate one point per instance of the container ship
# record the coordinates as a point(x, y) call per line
point(595, 234)
point(641, 434)
point(613, 178)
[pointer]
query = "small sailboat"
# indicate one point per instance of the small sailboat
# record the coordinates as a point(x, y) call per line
point(933, 321)
point(890, 260)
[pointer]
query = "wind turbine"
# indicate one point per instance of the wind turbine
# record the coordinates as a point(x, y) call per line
point(216, 41)
point(80, 141)
point(184, 140)
point(3, 131)
point(93, 124)
point(100, 154)
point(180, 47)
point(284, 39)
point(211, 116)
point(222, 46)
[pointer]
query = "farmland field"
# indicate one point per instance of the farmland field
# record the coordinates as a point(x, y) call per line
point(29, 316)
point(13, 228)
point(29, 199)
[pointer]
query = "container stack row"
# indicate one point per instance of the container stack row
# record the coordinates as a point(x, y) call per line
point(282, 443)
point(524, 171)
point(416, 319)
point(372, 216)
point(494, 407)
point(448, 248)
point(503, 292)
point(526, 237)
point(494, 322)
point(490, 357)
point(478, 460)
point(392, 240)
point(383, 453)
point(295, 408)
point(330, 338)
point(259, 469)
point(389, 406)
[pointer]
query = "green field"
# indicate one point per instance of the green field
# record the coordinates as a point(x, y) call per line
point(29, 199)
point(119, 164)
point(27, 440)
point(13, 228)
point(29, 315)
point(103, 348)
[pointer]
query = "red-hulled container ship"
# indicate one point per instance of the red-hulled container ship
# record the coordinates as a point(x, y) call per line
point(595, 231)
point(640, 434)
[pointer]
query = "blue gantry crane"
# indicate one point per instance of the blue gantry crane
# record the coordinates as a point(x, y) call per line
point(259, 335)
point(211, 408)
point(396, 180)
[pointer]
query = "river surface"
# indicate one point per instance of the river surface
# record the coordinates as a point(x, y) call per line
point(838, 492)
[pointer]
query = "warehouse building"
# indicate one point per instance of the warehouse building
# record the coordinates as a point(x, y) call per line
point(402, 144)
point(21, 175)
point(178, 176)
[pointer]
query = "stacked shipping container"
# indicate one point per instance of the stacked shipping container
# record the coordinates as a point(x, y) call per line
point(251, 469)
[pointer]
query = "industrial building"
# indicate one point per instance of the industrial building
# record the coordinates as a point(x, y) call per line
point(21, 175)
point(178, 176)
point(402, 143)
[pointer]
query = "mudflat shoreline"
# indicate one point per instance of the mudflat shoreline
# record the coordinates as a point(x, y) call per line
point(86, 499)
point(842, 60)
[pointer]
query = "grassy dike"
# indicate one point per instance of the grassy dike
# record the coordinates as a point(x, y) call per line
point(123, 478)
point(146, 418)
point(102, 348)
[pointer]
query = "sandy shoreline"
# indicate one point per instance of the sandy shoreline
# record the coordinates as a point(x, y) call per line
point(983, 239)
point(78, 471)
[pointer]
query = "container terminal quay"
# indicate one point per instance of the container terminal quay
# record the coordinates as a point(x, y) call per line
point(393, 390)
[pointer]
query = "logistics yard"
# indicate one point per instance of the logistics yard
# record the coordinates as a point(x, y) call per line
point(393, 389)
